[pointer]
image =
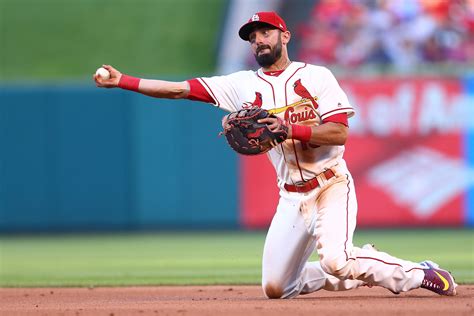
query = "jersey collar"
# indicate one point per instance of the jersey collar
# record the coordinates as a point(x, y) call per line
point(292, 65)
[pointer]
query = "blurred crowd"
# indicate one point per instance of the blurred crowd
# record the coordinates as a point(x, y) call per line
point(401, 33)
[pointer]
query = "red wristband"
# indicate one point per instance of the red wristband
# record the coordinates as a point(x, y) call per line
point(301, 132)
point(129, 83)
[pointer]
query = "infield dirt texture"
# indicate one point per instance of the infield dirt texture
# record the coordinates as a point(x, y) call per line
point(119, 274)
point(228, 300)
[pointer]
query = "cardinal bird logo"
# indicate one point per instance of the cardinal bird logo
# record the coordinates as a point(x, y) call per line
point(257, 133)
point(304, 93)
point(257, 102)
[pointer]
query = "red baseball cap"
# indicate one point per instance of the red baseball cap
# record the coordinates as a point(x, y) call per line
point(269, 18)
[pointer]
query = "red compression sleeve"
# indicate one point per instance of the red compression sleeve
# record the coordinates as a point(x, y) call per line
point(301, 132)
point(197, 92)
point(129, 83)
point(338, 118)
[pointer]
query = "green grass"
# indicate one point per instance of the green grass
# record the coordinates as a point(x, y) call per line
point(52, 39)
point(193, 258)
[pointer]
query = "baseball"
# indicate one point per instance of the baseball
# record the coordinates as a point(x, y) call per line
point(103, 73)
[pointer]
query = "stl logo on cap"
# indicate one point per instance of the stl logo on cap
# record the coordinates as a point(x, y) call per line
point(270, 18)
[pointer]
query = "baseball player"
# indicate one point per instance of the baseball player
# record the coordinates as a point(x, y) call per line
point(317, 207)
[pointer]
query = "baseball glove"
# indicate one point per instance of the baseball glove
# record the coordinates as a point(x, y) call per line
point(248, 137)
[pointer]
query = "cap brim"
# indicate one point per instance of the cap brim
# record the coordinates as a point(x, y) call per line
point(248, 28)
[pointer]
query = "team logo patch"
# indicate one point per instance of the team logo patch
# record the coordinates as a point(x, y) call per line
point(294, 116)
point(292, 105)
point(301, 90)
point(255, 17)
point(303, 110)
point(257, 102)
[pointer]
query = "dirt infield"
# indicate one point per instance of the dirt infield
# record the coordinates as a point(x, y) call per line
point(227, 300)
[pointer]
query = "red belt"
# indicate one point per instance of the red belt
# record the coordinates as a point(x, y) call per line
point(305, 186)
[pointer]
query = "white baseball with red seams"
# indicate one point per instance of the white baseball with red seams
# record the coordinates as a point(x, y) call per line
point(322, 219)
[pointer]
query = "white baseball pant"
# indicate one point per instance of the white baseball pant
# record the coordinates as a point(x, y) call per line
point(324, 220)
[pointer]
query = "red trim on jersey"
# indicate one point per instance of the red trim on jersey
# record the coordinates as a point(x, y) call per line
point(336, 110)
point(273, 73)
point(297, 162)
point(337, 118)
point(129, 83)
point(197, 92)
point(301, 132)
point(286, 103)
point(212, 93)
point(286, 97)
point(273, 90)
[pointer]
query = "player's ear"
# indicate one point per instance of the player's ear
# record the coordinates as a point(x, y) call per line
point(285, 37)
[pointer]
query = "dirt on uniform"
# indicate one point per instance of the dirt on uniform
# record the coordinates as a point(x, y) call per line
point(228, 301)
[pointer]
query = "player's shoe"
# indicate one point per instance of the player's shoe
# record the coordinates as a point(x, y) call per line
point(438, 280)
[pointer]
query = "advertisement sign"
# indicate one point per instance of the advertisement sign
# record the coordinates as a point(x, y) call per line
point(407, 150)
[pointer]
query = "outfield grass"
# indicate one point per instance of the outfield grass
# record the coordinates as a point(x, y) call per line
point(193, 258)
point(67, 39)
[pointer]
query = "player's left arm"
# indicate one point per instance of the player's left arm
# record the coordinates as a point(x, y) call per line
point(327, 134)
point(334, 110)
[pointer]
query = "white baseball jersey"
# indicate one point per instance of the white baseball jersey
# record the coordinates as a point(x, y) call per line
point(324, 218)
point(302, 94)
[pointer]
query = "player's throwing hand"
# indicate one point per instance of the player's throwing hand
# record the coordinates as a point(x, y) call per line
point(111, 82)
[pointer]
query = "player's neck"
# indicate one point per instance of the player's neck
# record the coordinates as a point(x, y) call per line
point(279, 65)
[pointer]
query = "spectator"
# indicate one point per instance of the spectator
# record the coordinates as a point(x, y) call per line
point(401, 33)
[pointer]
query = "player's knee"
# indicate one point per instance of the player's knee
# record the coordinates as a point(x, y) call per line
point(335, 265)
point(273, 290)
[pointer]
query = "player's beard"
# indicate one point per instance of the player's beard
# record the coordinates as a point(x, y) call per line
point(268, 59)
